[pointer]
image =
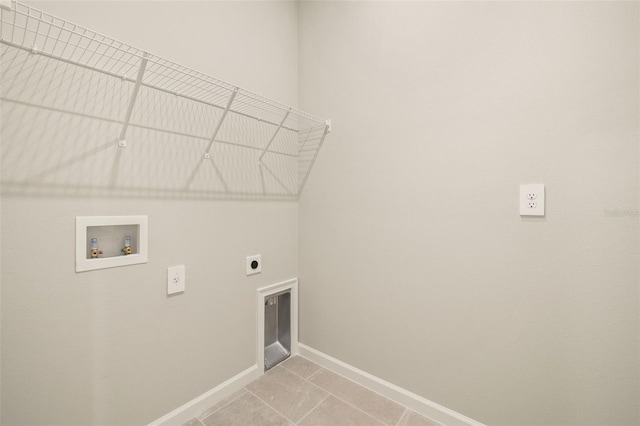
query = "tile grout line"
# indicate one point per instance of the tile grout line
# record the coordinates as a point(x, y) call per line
point(298, 374)
point(197, 419)
point(229, 402)
point(269, 405)
point(360, 386)
point(315, 373)
point(403, 417)
point(405, 413)
point(329, 393)
point(359, 409)
point(316, 406)
point(365, 387)
point(348, 403)
point(307, 381)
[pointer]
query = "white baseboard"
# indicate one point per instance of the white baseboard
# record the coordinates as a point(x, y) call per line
point(198, 405)
point(429, 409)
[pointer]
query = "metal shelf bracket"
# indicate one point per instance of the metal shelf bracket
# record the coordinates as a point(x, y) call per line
point(122, 140)
point(274, 136)
point(207, 155)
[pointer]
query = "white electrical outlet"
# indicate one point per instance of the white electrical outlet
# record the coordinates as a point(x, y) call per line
point(254, 264)
point(532, 200)
point(176, 279)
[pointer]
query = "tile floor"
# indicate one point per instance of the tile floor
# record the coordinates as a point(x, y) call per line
point(299, 392)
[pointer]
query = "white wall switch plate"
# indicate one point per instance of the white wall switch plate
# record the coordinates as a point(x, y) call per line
point(176, 279)
point(254, 264)
point(532, 200)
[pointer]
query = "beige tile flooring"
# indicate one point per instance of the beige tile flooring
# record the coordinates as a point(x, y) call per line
point(299, 392)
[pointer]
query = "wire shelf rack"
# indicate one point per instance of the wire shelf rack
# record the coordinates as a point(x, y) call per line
point(255, 145)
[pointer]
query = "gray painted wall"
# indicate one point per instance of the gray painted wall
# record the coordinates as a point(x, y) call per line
point(109, 347)
point(415, 265)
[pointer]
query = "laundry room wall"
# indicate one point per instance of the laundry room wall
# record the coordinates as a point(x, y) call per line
point(109, 346)
point(415, 265)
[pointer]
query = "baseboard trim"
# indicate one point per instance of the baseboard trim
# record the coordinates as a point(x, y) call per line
point(198, 405)
point(430, 409)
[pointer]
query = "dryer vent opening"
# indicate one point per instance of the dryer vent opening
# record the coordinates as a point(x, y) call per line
point(277, 328)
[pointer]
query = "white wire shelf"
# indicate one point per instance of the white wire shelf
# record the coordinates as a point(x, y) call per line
point(242, 133)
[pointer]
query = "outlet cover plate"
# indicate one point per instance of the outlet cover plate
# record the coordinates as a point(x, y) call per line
point(176, 279)
point(250, 269)
point(532, 200)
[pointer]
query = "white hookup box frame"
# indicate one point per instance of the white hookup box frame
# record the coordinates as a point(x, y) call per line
point(123, 224)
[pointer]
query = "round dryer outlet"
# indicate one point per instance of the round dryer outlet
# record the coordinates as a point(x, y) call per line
point(254, 264)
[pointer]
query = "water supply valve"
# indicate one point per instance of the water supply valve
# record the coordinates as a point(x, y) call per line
point(127, 246)
point(94, 248)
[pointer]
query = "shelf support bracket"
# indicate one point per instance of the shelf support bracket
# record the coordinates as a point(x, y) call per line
point(207, 155)
point(305, 140)
point(327, 129)
point(122, 140)
point(274, 136)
